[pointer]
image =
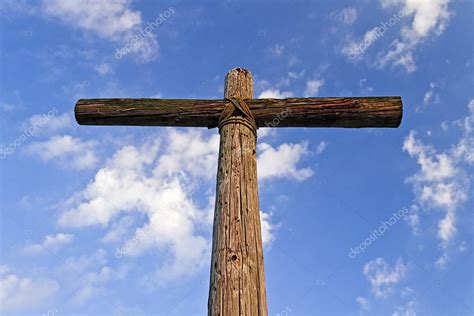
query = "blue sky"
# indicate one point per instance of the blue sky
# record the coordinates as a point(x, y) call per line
point(118, 220)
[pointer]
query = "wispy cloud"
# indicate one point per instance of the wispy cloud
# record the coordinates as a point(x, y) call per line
point(22, 294)
point(51, 243)
point(363, 303)
point(67, 151)
point(112, 20)
point(382, 277)
point(275, 94)
point(267, 228)
point(441, 182)
point(421, 21)
point(313, 87)
point(282, 161)
point(430, 19)
point(406, 310)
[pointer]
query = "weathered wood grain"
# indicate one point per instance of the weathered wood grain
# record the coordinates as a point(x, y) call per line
point(237, 283)
point(297, 112)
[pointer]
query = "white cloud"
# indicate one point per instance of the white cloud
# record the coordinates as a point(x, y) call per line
point(312, 87)
point(104, 69)
point(442, 261)
point(107, 18)
point(439, 183)
point(399, 55)
point(49, 123)
point(295, 75)
point(406, 310)
point(355, 49)
point(261, 85)
point(277, 50)
point(363, 303)
point(434, 167)
point(119, 230)
point(185, 151)
point(265, 132)
point(364, 86)
point(288, 79)
point(92, 284)
point(430, 19)
point(275, 94)
point(145, 49)
point(88, 276)
point(67, 151)
point(382, 277)
point(464, 150)
point(420, 21)
point(444, 126)
point(279, 89)
point(281, 162)
point(442, 183)
point(138, 180)
point(159, 180)
point(267, 229)
point(113, 20)
point(430, 95)
point(51, 243)
point(321, 147)
point(413, 219)
point(19, 293)
point(74, 266)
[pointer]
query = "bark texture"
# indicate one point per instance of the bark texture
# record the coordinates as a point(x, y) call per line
point(294, 112)
point(237, 283)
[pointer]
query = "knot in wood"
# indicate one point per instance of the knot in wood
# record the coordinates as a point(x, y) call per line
point(245, 116)
point(356, 102)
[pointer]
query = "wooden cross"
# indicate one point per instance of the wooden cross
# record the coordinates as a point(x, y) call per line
point(237, 283)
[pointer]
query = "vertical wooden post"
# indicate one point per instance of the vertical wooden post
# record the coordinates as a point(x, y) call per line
point(237, 285)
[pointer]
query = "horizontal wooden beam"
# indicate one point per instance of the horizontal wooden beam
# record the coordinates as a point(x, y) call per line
point(292, 112)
